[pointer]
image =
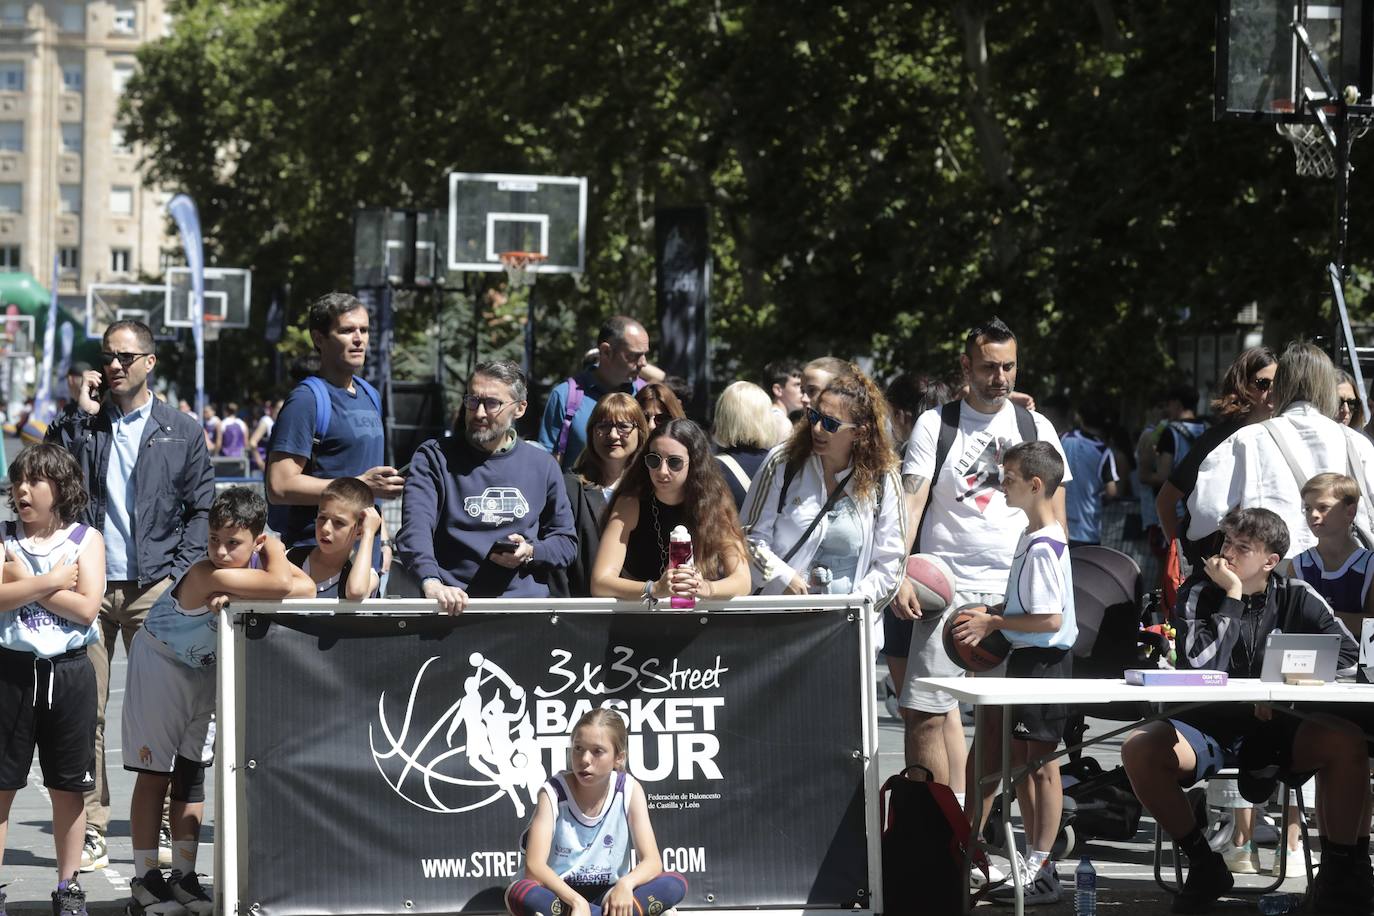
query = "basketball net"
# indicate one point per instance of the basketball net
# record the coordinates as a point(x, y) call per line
point(520, 266)
point(1316, 156)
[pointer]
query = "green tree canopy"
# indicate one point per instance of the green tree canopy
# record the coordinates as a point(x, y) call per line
point(879, 175)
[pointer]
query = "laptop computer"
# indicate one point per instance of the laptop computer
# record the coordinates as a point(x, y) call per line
point(1307, 655)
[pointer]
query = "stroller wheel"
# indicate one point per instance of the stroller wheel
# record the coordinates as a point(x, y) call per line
point(1064, 843)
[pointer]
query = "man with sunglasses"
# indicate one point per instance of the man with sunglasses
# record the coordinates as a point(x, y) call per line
point(487, 515)
point(622, 347)
point(150, 481)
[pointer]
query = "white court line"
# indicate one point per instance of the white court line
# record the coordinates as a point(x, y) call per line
point(115, 877)
point(36, 777)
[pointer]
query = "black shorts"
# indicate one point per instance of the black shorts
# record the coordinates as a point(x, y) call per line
point(896, 636)
point(1039, 721)
point(48, 704)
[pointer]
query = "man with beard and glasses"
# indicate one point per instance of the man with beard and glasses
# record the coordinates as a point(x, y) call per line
point(952, 479)
point(486, 514)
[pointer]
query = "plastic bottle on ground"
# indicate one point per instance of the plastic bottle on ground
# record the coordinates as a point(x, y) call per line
point(1279, 902)
point(1085, 889)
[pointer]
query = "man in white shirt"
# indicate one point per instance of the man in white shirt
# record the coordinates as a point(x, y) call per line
point(951, 477)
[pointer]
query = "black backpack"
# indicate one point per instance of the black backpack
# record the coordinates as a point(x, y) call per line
point(924, 836)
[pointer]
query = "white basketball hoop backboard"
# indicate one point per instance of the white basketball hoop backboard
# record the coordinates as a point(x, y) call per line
point(489, 214)
point(228, 295)
point(107, 303)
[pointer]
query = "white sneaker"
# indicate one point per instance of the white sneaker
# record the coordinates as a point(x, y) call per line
point(1045, 889)
point(995, 876)
point(1242, 860)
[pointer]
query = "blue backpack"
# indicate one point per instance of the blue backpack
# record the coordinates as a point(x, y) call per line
point(324, 408)
point(279, 515)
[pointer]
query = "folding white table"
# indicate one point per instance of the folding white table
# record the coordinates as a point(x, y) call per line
point(1003, 691)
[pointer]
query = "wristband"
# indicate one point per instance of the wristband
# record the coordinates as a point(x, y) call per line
point(648, 592)
point(387, 542)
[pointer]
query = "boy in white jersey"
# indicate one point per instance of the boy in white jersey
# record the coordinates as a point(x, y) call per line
point(1038, 620)
point(50, 591)
point(169, 706)
point(348, 518)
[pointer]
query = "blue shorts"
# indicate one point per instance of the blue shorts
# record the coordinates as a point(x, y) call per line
point(1221, 746)
point(896, 635)
point(1212, 756)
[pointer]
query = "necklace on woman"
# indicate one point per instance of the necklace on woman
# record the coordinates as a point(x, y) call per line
point(658, 533)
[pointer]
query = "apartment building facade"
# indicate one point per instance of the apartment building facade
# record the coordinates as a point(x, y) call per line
point(70, 186)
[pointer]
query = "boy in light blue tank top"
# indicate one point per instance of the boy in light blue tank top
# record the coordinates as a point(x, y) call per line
point(50, 591)
point(1038, 620)
point(168, 726)
point(577, 847)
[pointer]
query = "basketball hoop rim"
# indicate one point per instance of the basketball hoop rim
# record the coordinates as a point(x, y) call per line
point(520, 266)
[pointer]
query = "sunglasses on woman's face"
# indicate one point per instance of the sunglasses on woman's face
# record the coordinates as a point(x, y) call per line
point(653, 460)
point(1351, 404)
point(1263, 383)
point(828, 423)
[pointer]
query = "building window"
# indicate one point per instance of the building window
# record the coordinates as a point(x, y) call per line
point(73, 75)
point(124, 19)
point(119, 260)
point(12, 14)
point(9, 257)
point(69, 198)
point(11, 76)
point(118, 143)
point(12, 136)
point(122, 201)
point(11, 197)
point(122, 74)
point(71, 138)
point(73, 17)
point(69, 258)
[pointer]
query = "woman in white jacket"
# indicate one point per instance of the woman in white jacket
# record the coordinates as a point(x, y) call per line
point(824, 512)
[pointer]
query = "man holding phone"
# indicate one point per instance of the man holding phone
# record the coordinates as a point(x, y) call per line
point(151, 484)
point(487, 515)
point(301, 461)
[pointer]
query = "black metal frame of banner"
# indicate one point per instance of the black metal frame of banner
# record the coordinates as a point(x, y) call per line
point(234, 832)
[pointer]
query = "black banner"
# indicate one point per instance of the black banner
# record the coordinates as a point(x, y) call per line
point(396, 761)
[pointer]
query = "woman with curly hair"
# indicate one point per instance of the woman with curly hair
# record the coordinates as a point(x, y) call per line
point(616, 433)
point(675, 483)
point(825, 512)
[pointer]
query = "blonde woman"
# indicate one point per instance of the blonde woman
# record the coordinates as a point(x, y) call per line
point(743, 433)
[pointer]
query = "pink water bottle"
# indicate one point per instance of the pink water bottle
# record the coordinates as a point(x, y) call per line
point(680, 554)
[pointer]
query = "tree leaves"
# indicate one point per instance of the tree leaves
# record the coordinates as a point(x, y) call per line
point(879, 175)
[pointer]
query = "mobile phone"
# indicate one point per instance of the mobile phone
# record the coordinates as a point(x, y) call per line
point(505, 545)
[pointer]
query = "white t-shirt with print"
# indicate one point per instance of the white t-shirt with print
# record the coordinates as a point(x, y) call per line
point(967, 520)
